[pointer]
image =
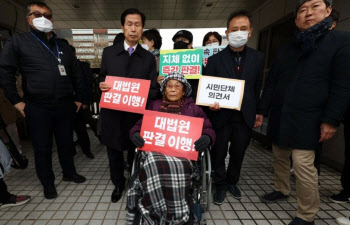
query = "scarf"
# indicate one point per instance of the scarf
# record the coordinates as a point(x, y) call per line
point(171, 107)
point(308, 38)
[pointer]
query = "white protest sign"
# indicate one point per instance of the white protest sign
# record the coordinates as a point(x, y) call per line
point(227, 92)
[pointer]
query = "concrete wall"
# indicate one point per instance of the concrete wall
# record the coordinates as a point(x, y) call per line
point(268, 13)
point(343, 6)
point(8, 18)
point(271, 12)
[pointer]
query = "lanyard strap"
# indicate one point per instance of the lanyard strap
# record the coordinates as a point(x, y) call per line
point(58, 53)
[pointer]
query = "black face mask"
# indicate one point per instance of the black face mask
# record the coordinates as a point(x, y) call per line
point(181, 45)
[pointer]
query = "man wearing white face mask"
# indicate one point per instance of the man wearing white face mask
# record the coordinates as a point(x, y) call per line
point(236, 61)
point(53, 91)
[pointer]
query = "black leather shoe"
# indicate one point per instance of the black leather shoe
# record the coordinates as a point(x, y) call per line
point(50, 192)
point(219, 197)
point(76, 178)
point(298, 221)
point(234, 191)
point(273, 197)
point(89, 155)
point(340, 198)
point(117, 194)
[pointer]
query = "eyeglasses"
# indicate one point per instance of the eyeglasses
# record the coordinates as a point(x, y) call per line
point(38, 15)
point(176, 86)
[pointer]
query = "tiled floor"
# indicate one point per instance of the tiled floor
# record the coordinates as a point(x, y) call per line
point(89, 203)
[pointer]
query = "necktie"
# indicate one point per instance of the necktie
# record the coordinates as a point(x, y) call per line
point(130, 49)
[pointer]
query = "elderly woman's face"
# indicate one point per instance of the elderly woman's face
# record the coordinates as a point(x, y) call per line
point(174, 90)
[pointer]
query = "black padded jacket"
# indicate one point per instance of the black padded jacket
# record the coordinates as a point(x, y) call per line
point(41, 80)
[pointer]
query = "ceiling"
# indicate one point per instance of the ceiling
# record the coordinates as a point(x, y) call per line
point(97, 14)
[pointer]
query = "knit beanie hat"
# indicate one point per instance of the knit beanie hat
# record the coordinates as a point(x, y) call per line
point(176, 76)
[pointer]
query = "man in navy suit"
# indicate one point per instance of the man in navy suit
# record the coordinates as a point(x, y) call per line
point(236, 61)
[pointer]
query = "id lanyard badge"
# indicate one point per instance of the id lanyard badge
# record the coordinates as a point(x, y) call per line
point(60, 65)
point(61, 68)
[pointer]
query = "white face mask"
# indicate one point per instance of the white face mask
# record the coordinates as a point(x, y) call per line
point(43, 24)
point(145, 46)
point(238, 38)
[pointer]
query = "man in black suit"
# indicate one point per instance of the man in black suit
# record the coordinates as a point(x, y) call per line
point(125, 59)
point(236, 61)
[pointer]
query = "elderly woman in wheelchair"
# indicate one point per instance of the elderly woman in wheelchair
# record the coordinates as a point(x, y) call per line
point(161, 187)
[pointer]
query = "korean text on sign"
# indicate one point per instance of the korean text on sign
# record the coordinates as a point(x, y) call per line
point(126, 94)
point(171, 134)
point(227, 92)
point(187, 61)
point(209, 51)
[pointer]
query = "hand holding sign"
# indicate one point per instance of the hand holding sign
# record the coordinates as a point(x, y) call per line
point(215, 107)
point(104, 86)
point(137, 140)
point(202, 143)
point(160, 79)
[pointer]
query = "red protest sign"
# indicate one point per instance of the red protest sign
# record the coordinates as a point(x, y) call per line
point(126, 94)
point(171, 134)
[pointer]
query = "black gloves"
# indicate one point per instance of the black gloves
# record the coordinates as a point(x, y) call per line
point(202, 143)
point(137, 139)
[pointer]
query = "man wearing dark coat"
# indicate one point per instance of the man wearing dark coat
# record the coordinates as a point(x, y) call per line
point(53, 92)
point(306, 94)
point(344, 195)
point(125, 59)
point(236, 61)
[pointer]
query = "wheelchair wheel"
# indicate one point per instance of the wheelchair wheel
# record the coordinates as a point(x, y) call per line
point(206, 181)
point(209, 197)
point(203, 193)
point(136, 161)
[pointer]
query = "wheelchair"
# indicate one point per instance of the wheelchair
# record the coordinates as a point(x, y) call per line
point(201, 186)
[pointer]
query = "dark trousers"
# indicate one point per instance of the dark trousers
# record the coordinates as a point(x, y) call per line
point(87, 115)
point(317, 162)
point(238, 134)
point(345, 176)
point(4, 194)
point(43, 123)
point(130, 148)
point(116, 166)
point(116, 156)
point(80, 130)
